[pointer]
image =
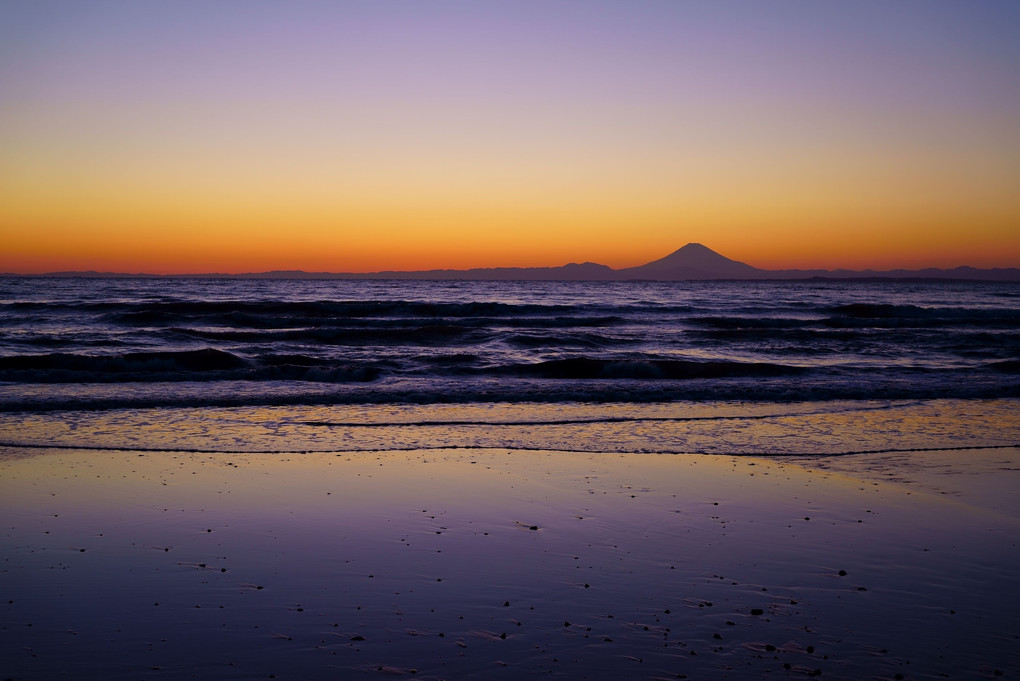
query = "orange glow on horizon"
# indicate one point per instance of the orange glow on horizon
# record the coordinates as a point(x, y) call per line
point(170, 250)
point(346, 137)
point(232, 232)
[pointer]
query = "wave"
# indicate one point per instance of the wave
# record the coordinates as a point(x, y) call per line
point(862, 315)
point(42, 396)
point(756, 323)
point(1011, 366)
point(213, 364)
point(430, 334)
point(207, 364)
point(210, 364)
point(584, 368)
point(192, 360)
point(583, 340)
point(242, 310)
point(889, 315)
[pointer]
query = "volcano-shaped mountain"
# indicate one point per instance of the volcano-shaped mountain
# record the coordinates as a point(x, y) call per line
point(693, 261)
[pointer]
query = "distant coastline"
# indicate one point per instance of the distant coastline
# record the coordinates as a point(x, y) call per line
point(693, 262)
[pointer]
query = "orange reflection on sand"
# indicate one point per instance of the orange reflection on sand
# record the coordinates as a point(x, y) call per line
point(231, 561)
point(677, 427)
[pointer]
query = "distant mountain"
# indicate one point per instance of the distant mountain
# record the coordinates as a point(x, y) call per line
point(963, 273)
point(693, 262)
point(588, 271)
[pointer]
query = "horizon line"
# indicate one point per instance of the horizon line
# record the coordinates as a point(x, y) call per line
point(691, 250)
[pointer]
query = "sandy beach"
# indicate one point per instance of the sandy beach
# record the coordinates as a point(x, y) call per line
point(494, 563)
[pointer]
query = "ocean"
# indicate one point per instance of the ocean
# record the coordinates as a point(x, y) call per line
point(750, 367)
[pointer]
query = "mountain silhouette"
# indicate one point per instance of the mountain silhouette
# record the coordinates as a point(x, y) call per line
point(693, 262)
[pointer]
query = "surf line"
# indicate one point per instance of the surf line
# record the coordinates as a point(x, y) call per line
point(35, 446)
point(593, 420)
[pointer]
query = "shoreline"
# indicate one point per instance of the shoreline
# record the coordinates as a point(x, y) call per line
point(499, 563)
point(689, 427)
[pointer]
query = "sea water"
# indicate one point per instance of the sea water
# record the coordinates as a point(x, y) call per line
point(715, 367)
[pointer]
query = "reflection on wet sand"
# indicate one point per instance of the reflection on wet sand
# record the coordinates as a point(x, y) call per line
point(751, 428)
point(498, 564)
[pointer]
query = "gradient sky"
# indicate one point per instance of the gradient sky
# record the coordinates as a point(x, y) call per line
point(358, 136)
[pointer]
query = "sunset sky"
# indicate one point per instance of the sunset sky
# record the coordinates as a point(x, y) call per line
point(196, 136)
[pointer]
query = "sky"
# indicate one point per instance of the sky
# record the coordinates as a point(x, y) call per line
point(194, 136)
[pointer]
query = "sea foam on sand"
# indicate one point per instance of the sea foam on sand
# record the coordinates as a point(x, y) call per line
point(500, 564)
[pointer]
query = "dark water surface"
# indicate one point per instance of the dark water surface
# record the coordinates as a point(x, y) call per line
point(678, 366)
point(430, 341)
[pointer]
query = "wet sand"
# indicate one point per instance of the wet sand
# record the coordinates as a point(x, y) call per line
point(499, 564)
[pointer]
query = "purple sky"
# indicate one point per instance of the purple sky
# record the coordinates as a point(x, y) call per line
point(477, 124)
